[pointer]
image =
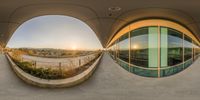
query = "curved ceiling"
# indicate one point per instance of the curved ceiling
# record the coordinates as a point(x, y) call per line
point(95, 13)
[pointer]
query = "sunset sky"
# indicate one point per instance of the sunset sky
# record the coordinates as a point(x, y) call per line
point(54, 31)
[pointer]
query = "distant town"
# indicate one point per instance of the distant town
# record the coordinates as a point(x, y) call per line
point(51, 52)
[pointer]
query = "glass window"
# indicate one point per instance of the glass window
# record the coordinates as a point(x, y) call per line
point(139, 47)
point(195, 47)
point(187, 48)
point(110, 50)
point(175, 49)
point(124, 48)
point(164, 46)
point(114, 51)
point(153, 46)
point(116, 48)
point(198, 50)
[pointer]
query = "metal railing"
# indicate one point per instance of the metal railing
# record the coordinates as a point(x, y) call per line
point(59, 63)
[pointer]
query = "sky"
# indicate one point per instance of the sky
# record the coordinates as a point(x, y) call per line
point(55, 31)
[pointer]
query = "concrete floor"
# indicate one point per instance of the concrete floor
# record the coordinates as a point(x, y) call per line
point(109, 82)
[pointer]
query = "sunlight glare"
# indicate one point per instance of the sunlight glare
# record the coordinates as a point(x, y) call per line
point(74, 47)
point(135, 46)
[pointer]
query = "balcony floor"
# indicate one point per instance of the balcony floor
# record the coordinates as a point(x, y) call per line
point(109, 82)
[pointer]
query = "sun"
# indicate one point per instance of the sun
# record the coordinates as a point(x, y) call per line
point(135, 46)
point(74, 47)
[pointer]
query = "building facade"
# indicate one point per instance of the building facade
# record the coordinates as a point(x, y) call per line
point(154, 48)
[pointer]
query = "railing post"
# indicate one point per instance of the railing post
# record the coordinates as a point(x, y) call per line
point(79, 62)
point(60, 65)
point(35, 64)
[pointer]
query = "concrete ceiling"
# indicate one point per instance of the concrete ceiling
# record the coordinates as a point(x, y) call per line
point(95, 13)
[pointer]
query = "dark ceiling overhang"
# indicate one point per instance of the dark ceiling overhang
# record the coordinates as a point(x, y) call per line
point(96, 14)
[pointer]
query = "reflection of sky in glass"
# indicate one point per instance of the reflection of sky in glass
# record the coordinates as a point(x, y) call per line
point(124, 45)
point(140, 41)
point(187, 44)
point(174, 41)
point(54, 31)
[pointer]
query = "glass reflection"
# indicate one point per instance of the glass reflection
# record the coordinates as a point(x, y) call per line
point(175, 48)
point(124, 48)
point(195, 47)
point(139, 47)
point(187, 48)
point(147, 54)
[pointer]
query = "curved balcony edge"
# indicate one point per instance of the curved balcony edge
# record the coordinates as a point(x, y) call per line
point(59, 83)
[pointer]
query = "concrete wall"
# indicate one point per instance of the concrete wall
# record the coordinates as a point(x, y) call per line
point(68, 82)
